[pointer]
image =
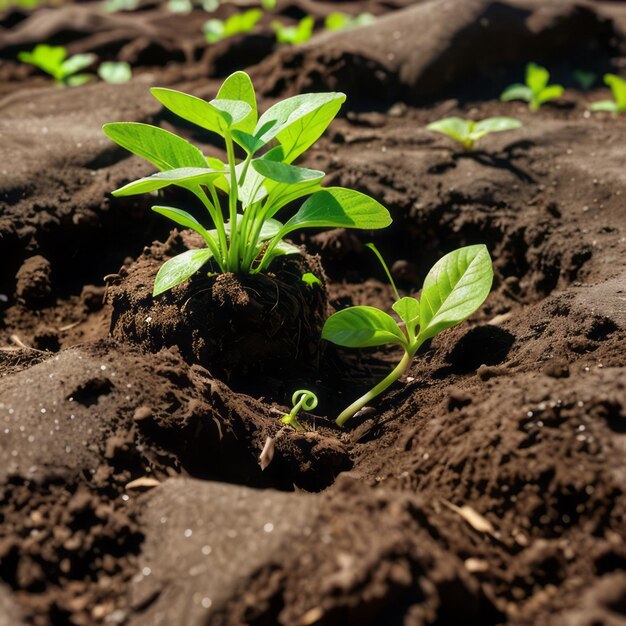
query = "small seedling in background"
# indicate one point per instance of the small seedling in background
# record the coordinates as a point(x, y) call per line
point(468, 132)
point(301, 399)
point(585, 79)
point(453, 289)
point(250, 240)
point(113, 6)
point(618, 104)
point(237, 24)
point(187, 6)
point(340, 21)
point(115, 73)
point(53, 60)
point(268, 5)
point(536, 91)
point(310, 279)
point(300, 33)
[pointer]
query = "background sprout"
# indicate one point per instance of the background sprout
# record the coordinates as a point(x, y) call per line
point(536, 91)
point(300, 33)
point(115, 73)
point(340, 21)
point(237, 24)
point(453, 289)
point(584, 79)
point(53, 60)
point(468, 132)
point(618, 88)
point(255, 188)
point(301, 399)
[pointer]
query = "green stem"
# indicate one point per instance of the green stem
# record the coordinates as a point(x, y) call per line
point(233, 256)
point(383, 385)
point(216, 215)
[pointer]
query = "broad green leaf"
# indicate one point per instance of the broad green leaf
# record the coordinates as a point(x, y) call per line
point(618, 87)
point(454, 288)
point(76, 63)
point(552, 92)
point(164, 149)
point(517, 92)
point(537, 77)
point(298, 122)
point(362, 327)
point(47, 58)
point(285, 173)
point(115, 73)
point(454, 127)
point(238, 86)
point(337, 207)
point(604, 105)
point(493, 125)
point(182, 177)
point(215, 117)
point(179, 268)
point(248, 142)
point(183, 218)
point(408, 310)
point(300, 33)
point(283, 249)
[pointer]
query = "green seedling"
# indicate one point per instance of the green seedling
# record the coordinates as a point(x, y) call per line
point(468, 132)
point(536, 91)
point(585, 79)
point(53, 60)
point(618, 104)
point(340, 21)
point(113, 6)
point(237, 24)
point(453, 289)
point(187, 6)
point(255, 188)
point(301, 399)
point(300, 33)
point(115, 73)
point(310, 279)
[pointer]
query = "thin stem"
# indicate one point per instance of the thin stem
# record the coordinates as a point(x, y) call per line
point(379, 256)
point(218, 221)
point(233, 256)
point(377, 390)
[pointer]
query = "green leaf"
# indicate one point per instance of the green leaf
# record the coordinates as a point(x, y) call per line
point(115, 73)
point(47, 58)
point(217, 116)
point(182, 218)
point(552, 92)
point(454, 127)
point(537, 77)
point(285, 173)
point(618, 87)
point(493, 125)
point(182, 177)
point(604, 105)
point(300, 33)
point(298, 122)
point(282, 249)
point(179, 268)
point(238, 86)
point(164, 149)
point(77, 80)
point(454, 288)
point(585, 79)
point(362, 327)
point(76, 63)
point(311, 279)
point(517, 92)
point(408, 310)
point(248, 142)
point(237, 24)
point(337, 207)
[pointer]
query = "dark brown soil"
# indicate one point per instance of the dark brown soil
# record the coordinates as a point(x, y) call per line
point(487, 487)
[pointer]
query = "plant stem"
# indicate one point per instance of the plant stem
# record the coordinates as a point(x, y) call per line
point(346, 414)
point(233, 253)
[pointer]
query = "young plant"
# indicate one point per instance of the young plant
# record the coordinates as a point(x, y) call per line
point(53, 60)
point(618, 104)
point(255, 189)
point(340, 21)
point(115, 73)
point(453, 289)
point(468, 132)
point(536, 91)
point(300, 33)
point(584, 79)
point(301, 399)
point(237, 24)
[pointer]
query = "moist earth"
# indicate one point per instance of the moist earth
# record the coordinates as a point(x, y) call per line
point(486, 487)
